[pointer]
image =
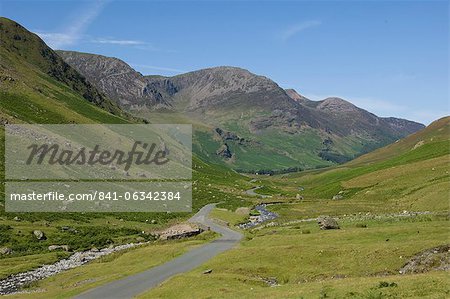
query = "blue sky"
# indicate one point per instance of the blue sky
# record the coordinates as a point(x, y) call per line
point(391, 58)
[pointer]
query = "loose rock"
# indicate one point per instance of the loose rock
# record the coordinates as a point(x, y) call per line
point(180, 231)
point(13, 283)
point(326, 222)
point(5, 250)
point(437, 258)
point(39, 235)
point(57, 247)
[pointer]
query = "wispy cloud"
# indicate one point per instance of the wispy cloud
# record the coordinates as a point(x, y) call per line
point(297, 28)
point(158, 68)
point(386, 108)
point(137, 44)
point(118, 42)
point(54, 39)
point(75, 30)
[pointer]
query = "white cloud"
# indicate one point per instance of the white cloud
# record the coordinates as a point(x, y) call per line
point(75, 30)
point(54, 39)
point(118, 42)
point(295, 29)
point(137, 44)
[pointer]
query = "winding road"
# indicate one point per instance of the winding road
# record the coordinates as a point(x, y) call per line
point(252, 192)
point(135, 284)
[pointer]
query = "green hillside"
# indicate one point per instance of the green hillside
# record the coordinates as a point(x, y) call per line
point(390, 204)
point(393, 209)
point(392, 178)
point(433, 138)
point(37, 86)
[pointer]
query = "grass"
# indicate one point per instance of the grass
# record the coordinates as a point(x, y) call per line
point(112, 267)
point(20, 264)
point(431, 285)
point(261, 152)
point(321, 263)
point(402, 174)
point(362, 259)
point(357, 261)
point(354, 261)
point(232, 217)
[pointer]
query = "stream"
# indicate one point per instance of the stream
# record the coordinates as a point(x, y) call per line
point(264, 215)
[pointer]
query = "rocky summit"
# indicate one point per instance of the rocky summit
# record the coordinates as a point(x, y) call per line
point(236, 101)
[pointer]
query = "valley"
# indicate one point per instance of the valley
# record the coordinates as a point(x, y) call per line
point(269, 168)
point(253, 113)
point(291, 255)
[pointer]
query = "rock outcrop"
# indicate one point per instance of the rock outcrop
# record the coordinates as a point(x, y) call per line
point(437, 258)
point(180, 231)
point(39, 235)
point(326, 222)
point(224, 151)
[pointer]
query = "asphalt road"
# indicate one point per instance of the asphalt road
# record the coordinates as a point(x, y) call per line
point(133, 285)
point(252, 192)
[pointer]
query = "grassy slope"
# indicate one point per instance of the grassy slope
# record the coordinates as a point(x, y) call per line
point(33, 76)
point(406, 171)
point(36, 87)
point(348, 263)
point(35, 97)
point(310, 263)
point(263, 152)
point(438, 131)
point(371, 246)
point(111, 267)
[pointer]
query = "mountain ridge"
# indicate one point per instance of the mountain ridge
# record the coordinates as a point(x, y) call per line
point(251, 106)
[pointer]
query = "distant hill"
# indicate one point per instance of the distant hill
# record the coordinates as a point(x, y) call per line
point(411, 174)
point(264, 127)
point(434, 137)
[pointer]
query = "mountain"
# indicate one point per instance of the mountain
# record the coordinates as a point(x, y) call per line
point(37, 85)
point(116, 79)
point(293, 94)
point(245, 120)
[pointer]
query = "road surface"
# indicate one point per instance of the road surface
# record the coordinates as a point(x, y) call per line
point(252, 192)
point(133, 285)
